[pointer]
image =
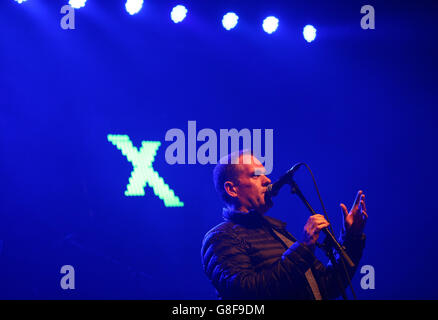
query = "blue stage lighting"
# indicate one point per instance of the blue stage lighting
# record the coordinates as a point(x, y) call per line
point(178, 13)
point(133, 6)
point(77, 3)
point(309, 33)
point(270, 24)
point(20, 1)
point(229, 21)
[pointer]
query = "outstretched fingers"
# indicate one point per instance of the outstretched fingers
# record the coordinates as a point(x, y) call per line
point(358, 198)
point(344, 210)
point(362, 207)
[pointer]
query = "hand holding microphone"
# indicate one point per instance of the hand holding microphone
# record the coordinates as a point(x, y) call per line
point(312, 228)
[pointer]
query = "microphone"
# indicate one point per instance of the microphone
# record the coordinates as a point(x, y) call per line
point(275, 187)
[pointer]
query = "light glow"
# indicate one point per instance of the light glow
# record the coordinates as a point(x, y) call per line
point(309, 33)
point(178, 13)
point(229, 21)
point(133, 6)
point(77, 3)
point(270, 24)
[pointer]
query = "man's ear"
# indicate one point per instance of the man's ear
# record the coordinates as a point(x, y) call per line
point(230, 188)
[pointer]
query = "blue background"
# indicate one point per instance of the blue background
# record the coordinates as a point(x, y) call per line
point(359, 106)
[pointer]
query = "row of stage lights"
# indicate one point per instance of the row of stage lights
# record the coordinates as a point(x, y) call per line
point(179, 13)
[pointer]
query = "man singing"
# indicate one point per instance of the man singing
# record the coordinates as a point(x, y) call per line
point(253, 256)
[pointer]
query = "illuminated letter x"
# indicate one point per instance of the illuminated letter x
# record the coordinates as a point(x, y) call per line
point(143, 172)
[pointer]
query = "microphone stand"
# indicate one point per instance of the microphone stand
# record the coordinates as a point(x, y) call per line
point(329, 252)
point(329, 242)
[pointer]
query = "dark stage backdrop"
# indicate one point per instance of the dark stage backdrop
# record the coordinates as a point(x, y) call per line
point(359, 106)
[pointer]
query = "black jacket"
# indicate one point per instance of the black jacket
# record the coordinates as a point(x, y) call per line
point(245, 259)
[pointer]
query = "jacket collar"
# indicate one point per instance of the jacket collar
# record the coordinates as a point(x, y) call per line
point(252, 218)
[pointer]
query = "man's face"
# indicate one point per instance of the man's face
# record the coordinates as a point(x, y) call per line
point(252, 185)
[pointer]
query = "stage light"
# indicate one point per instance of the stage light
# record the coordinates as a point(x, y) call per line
point(77, 3)
point(229, 21)
point(309, 33)
point(20, 1)
point(133, 6)
point(270, 24)
point(178, 13)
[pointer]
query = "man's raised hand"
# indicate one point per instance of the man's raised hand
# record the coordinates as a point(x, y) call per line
point(354, 221)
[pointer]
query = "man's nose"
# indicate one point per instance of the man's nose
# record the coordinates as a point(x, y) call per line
point(267, 181)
